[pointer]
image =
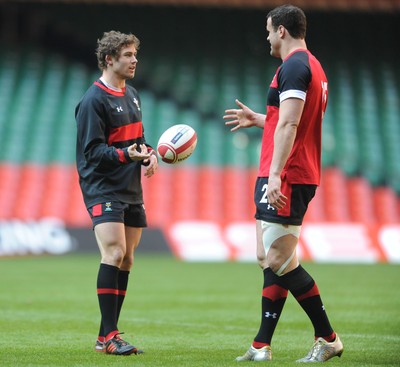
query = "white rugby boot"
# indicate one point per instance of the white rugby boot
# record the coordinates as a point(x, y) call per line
point(321, 351)
point(257, 355)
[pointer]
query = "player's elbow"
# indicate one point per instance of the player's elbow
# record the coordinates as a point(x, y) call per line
point(287, 128)
point(290, 124)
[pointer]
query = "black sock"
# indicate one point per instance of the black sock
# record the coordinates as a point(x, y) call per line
point(123, 277)
point(273, 299)
point(305, 290)
point(107, 293)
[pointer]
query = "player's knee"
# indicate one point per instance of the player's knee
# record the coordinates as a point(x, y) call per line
point(273, 266)
point(279, 243)
point(262, 263)
point(127, 262)
point(113, 255)
point(280, 263)
point(261, 256)
point(275, 261)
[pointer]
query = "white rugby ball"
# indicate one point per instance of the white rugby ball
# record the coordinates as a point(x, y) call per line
point(177, 143)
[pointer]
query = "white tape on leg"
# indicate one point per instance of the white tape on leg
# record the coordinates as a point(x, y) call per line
point(285, 264)
point(272, 231)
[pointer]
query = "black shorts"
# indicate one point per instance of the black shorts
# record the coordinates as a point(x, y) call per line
point(114, 211)
point(299, 196)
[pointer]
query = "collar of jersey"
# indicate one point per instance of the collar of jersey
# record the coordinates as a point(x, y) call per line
point(99, 84)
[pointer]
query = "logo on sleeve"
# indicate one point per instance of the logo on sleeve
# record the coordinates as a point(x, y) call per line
point(136, 102)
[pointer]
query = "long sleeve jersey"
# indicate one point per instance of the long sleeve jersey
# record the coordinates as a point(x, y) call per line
point(108, 122)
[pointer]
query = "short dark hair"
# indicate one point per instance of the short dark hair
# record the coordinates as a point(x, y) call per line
point(111, 44)
point(291, 17)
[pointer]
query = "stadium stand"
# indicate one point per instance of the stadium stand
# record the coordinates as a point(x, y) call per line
point(39, 91)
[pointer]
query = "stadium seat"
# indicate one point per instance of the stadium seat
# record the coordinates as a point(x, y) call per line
point(387, 205)
point(23, 107)
point(9, 181)
point(328, 138)
point(31, 190)
point(390, 126)
point(335, 195)
point(360, 206)
point(165, 114)
point(253, 86)
point(183, 189)
point(9, 73)
point(206, 90)
point(342, 107)
point(56, 200)
point(252, 177)
point(158, 197)
point(45, 119)
point(76, 213)
point(149, 101)
point(372, 164)
point(211, 193)
point(316, 209)
point(77, 80)
point(361, 134)
point(184, 82)
point(213, 137)
point(161, 77)
point(237, 189)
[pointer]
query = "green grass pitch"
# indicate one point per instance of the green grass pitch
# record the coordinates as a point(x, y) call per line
point(188, 314)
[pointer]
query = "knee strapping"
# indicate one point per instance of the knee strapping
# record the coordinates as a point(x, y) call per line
point(285, 264)
point(271, 232)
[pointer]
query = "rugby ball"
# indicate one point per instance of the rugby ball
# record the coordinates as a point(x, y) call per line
point(177, 143)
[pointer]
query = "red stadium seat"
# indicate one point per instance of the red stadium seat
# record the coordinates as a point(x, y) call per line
point(9, 178)
point(335, 195)
point(316, 209)
point(236, 190)
point(386, 205)
point(252, 177)
point(56, 198)
point(210, 194)
point(76, 213)
point(184, 186)
point(158, 197)
point(360, 205)
point(31, 190)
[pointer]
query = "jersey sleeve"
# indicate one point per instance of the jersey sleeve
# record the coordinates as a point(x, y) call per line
point(92, 136)
point(293, 79)
point(150, 149)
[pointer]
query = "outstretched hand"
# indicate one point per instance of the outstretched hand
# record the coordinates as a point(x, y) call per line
point(242, 117)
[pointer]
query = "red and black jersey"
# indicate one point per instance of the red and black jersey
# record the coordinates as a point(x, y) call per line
point(299, 76)
point(108, 122)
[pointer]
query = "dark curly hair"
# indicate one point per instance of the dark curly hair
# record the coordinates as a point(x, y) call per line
point(111, 44)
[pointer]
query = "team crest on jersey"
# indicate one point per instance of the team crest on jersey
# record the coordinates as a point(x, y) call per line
point(136, 102)
point(108, 207)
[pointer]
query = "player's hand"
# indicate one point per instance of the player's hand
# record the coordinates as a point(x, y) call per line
point(152, 167)
point(274, 194)
point(242, 117)
point(136, 155)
